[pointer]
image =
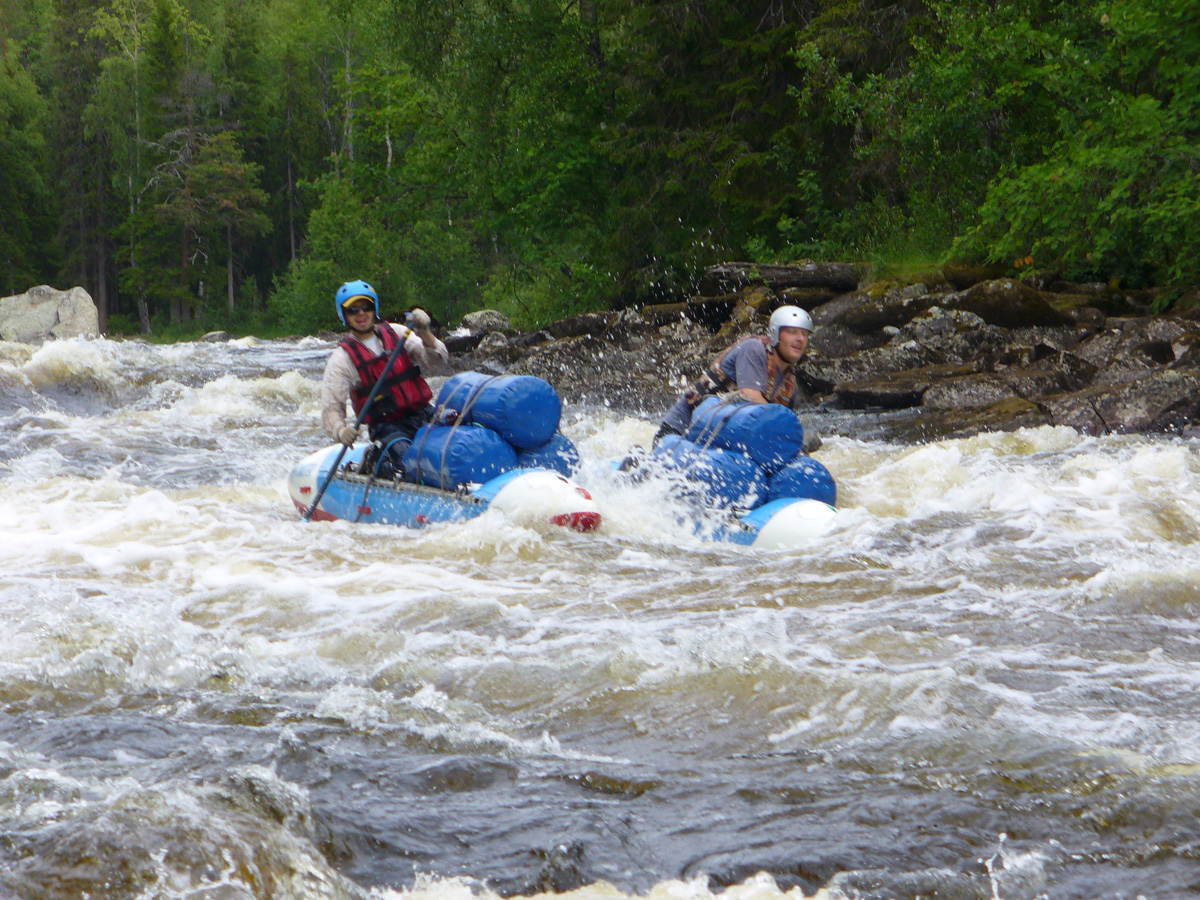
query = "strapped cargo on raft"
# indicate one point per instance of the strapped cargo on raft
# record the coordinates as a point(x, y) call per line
point(747, 459)
point(493, 442)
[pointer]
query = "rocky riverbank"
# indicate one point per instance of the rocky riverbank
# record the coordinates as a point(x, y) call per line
point(949, 356)
point(963, 353)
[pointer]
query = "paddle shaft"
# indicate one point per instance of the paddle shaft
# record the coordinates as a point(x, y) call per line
point(362, 414)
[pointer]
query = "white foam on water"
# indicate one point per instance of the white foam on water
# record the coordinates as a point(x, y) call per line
point(71, 361)
point(758, 887)
point(1034, 591)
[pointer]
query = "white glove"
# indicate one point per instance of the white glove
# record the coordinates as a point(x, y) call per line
point(348, 434)
point(419, 320)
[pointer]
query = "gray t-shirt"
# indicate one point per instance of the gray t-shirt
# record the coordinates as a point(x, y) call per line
point(746, 364)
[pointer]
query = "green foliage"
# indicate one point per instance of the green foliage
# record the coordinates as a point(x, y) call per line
point(546, 157)
point(507, 160)
point(26, 225)
point(122, 325)
point(704, 144)
point(1117, 193)
point(347, 241)
point(1050, 134)
point(221, 203)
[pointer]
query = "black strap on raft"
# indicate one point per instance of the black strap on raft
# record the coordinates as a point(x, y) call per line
point(362, 414)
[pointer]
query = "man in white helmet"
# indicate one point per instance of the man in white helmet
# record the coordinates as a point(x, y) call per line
point(760, 367)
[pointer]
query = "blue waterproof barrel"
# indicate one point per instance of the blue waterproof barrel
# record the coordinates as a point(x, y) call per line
point(768, 433)
point(666, 442)
point(446, 456)
point(522, 409)
point(726, 477)
point(805, 478)
point(558, 454)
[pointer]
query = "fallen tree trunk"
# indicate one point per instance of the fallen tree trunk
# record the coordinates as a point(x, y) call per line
point(839, 277)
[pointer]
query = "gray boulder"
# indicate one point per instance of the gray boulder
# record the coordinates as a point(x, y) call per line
point(496, 346)
point(867, 311)
point(484, 321)
point(972, 391)
point(594, 323)
point(1158, 401)
point(43, 312)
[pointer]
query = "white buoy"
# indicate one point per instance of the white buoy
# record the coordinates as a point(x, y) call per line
point(796, 524)
point(542, 496)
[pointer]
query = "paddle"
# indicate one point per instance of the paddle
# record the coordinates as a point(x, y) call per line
point(362, 414)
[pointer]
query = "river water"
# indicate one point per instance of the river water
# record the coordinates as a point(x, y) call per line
point(984, 683)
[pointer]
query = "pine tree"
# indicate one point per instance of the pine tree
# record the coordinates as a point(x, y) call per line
point(224, 188)
point(26, 227)
point(81, 154)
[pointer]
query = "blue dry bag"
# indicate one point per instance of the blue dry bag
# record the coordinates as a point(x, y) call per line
point(726, 478)
point(522, 409)
point(446, 456)
point(768, 433)
point(558, 454)
point(805, 478)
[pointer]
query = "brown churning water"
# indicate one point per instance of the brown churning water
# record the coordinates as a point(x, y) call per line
point(982, 683)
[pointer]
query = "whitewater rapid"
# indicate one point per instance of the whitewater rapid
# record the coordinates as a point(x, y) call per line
point(983, 683)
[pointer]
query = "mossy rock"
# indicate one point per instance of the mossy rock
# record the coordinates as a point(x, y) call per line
point(962, 275)
point(1007, 303)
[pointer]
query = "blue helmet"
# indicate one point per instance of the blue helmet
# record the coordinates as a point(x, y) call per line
point(353, 290)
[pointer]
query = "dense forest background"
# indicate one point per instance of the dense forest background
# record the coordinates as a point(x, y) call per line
point(227, 163)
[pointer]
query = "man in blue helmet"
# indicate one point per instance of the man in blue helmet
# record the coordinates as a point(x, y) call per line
point(403, 402)
point(761, 368)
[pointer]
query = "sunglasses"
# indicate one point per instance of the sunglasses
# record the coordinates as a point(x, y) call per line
point(359, 308)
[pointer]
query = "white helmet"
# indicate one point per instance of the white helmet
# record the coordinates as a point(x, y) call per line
point(788, 317)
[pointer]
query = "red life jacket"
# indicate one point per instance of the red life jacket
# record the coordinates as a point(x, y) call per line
point(781, 377)
point(402, 392)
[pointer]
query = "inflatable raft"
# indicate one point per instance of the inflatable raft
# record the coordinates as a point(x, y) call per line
point(778, 525)
point(493, 443)
point(528, 496)
point(741, 466)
